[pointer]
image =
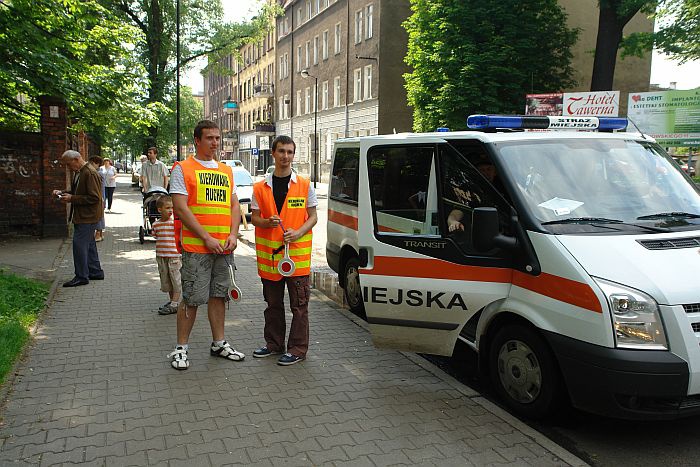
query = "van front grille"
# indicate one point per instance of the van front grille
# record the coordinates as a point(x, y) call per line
point(670, 243)
point(692, 308)
point(696, 327)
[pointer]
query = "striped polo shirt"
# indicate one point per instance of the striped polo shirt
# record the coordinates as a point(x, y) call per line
point(165, 239)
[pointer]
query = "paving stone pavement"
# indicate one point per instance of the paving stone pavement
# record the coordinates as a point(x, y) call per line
point(97, 389)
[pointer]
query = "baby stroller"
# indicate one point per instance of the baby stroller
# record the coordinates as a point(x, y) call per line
point(150, 211)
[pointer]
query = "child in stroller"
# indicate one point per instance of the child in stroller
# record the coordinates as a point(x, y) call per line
point(150, 211)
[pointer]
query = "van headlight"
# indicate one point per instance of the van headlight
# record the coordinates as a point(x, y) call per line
point(636, 317)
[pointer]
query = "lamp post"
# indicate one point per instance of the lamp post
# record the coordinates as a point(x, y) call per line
point(177, 84)
point(305, 74)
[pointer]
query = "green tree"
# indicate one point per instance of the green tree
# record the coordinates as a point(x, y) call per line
point(75, 49)
point(191, 112)
point(202, 33)
point(469, 56)
point(678, 32)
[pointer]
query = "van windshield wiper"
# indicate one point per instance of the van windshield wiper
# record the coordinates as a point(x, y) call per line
point(584, 220)
point(603, 220)
point(661, 215)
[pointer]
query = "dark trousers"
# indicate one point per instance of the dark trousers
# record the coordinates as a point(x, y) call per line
point(109, 193)
point(85, 258)
point(275, 324)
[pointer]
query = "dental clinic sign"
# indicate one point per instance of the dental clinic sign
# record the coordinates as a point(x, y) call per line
point(591, 104)
point(671, 117)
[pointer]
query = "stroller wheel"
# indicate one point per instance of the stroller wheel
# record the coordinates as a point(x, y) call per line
point(142, 234)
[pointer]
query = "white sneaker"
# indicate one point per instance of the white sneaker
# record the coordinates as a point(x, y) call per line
point(179, 358)
point(227, 352)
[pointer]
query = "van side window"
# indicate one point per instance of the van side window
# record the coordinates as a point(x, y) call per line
point(403, 189)
point(467, 185)
point(344, 178)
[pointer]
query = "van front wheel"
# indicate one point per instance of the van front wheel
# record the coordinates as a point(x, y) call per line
point(524, 372)
point(353, 290)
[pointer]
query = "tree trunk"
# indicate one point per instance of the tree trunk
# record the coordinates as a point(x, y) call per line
point(607, 43)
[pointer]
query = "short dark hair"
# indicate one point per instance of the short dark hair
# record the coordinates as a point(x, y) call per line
point(203, 124)
point(154, 149)
point(96, 159)
point(283, 139)
point(160, 202)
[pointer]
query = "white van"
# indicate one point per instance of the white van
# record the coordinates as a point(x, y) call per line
point(570, 261)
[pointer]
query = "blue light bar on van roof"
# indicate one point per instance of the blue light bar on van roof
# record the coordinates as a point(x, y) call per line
point(532, 122)
point(442, 129)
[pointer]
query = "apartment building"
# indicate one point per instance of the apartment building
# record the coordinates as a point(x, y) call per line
point(351, 52)
point(249, 83)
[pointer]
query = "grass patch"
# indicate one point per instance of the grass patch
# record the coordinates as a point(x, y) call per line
point(21, 301)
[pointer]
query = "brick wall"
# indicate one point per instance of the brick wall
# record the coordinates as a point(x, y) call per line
point(20, 181)
point(55, 176)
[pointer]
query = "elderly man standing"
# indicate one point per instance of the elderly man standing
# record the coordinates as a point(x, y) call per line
point(153, 172)
point(86, 210)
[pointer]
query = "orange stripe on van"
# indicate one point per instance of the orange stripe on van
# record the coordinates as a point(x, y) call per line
point(342, 219)
point(556, 287)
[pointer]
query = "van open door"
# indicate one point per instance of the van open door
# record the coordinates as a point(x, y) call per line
point(419, 287)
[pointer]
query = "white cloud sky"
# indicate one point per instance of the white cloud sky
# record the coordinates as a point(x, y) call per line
point(663, 69)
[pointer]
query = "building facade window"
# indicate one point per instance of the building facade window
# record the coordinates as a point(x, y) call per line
point(324, 96)
point(337, 38)
point(308, 53)
point(357, 94)
point(298, 67)
point(324, 45)
point(336, 91)
point(315, 50)
point(307, 100)
point(298, 103)
point(368, 82)
point(369, 21)
point(358, 26)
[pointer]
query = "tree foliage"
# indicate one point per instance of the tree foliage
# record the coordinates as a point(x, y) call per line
point(469, 56)
point(76, 49)
point(678, 33)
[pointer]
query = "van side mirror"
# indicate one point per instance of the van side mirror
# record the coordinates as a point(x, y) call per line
point(485, 233)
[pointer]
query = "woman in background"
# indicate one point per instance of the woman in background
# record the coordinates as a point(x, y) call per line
point(109, 175)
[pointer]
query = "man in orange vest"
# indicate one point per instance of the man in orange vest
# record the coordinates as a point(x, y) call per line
point(204, 198)
point(283, 213)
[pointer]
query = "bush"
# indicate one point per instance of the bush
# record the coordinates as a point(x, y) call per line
point(21, 301)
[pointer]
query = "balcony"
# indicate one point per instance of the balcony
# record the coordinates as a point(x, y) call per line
point(264, 90)
point(264, 127)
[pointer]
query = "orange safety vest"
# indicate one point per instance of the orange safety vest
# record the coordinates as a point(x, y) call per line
point(269, 244)
point(209, 198)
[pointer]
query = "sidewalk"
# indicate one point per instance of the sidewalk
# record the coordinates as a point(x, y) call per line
point(97, 388)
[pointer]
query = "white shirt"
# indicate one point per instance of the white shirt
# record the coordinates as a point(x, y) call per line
point(177, 178)
point(311, 200)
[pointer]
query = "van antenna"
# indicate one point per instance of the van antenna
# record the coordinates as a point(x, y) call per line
point(394, 130)
point(632, 121)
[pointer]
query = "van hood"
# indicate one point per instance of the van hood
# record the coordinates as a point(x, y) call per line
point(670, 275)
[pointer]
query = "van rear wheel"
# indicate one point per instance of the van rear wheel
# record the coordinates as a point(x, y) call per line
point(524, 372)
point(353, 290)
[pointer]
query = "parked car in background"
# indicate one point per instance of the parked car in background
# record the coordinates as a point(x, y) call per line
point(272, 169)
point(684, 167)
point(244, 184)
point(232, 162)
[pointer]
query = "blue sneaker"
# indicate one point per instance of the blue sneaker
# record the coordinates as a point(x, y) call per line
point(263, 352)
point(289, 359)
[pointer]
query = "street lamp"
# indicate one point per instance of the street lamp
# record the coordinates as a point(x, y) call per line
point(177, 84)
point(305, 74)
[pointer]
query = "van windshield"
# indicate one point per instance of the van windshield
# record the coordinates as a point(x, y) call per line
point(572, 184)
